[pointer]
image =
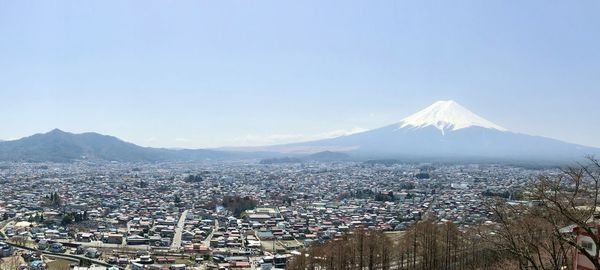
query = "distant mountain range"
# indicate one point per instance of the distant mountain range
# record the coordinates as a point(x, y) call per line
point(60, 146)
point(444, 131)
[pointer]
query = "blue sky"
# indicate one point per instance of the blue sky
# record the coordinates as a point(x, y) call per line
point(232, 73)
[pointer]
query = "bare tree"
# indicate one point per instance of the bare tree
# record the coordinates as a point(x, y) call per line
point(570, 204)
point(525, 235)
point(363, 249)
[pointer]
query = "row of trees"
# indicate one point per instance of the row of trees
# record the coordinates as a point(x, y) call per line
point(426, 246)
point(361, 249)
point(53, 199)
point(38, 217)
point(74, 217)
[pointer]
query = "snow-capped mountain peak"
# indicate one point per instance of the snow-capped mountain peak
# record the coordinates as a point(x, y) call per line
point(447, 115)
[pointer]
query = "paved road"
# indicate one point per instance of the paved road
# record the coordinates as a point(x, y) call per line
point(176, 244)
point(210, 236)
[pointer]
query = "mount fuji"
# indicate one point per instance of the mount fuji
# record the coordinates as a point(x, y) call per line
point(445, 131)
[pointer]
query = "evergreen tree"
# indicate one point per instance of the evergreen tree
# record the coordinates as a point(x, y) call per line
point(67, 219)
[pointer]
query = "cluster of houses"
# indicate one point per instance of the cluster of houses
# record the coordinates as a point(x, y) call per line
point(160, 207)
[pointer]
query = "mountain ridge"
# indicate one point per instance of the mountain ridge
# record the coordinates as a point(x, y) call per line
point(445, 130)
point(60, 146)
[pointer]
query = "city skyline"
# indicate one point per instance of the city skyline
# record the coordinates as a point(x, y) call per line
point(199, 75)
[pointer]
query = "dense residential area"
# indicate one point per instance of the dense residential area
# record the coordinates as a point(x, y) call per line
point(224, 215)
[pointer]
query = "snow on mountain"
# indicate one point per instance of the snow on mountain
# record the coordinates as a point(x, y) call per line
point(447, 115)
point(445, 131)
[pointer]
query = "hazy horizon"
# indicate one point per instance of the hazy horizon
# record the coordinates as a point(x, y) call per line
point(217, 74)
